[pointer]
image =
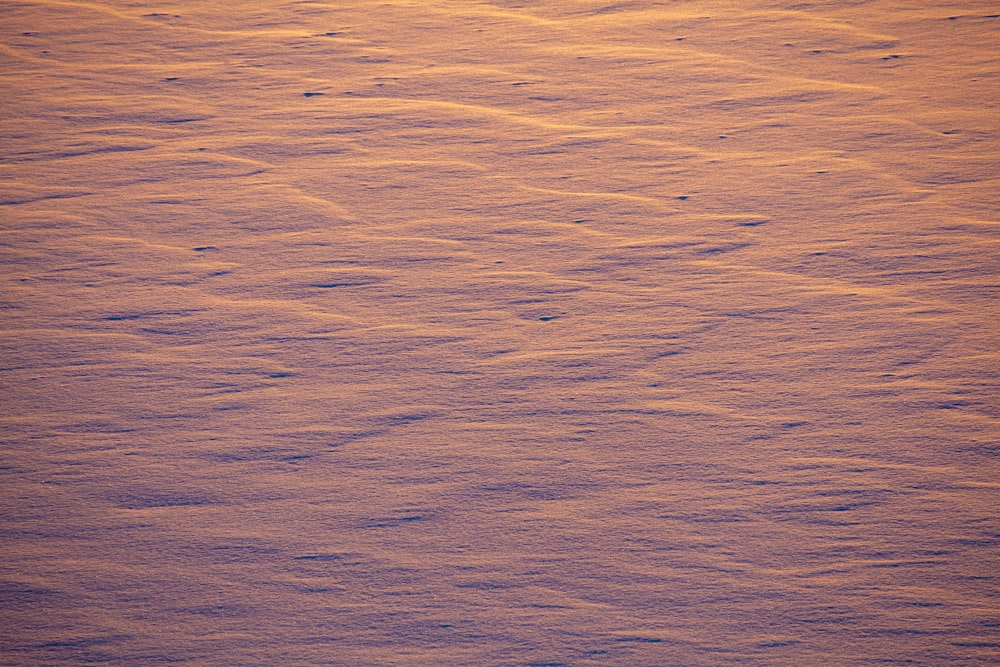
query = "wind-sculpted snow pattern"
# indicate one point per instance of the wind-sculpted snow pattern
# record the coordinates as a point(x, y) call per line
point(551, 332)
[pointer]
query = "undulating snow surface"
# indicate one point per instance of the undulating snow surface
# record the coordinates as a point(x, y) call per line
point(499, 333)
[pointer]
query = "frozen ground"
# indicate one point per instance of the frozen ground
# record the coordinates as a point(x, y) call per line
point(499, 333)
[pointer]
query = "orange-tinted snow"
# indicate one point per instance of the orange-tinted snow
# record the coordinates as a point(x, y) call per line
point(499, 333)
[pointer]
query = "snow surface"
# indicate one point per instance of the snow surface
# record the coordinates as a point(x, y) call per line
point(499, 333)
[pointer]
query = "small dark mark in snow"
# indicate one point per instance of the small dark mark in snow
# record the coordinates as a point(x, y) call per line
point(335, 285)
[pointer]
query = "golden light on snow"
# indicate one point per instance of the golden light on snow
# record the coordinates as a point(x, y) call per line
point(552, 332)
